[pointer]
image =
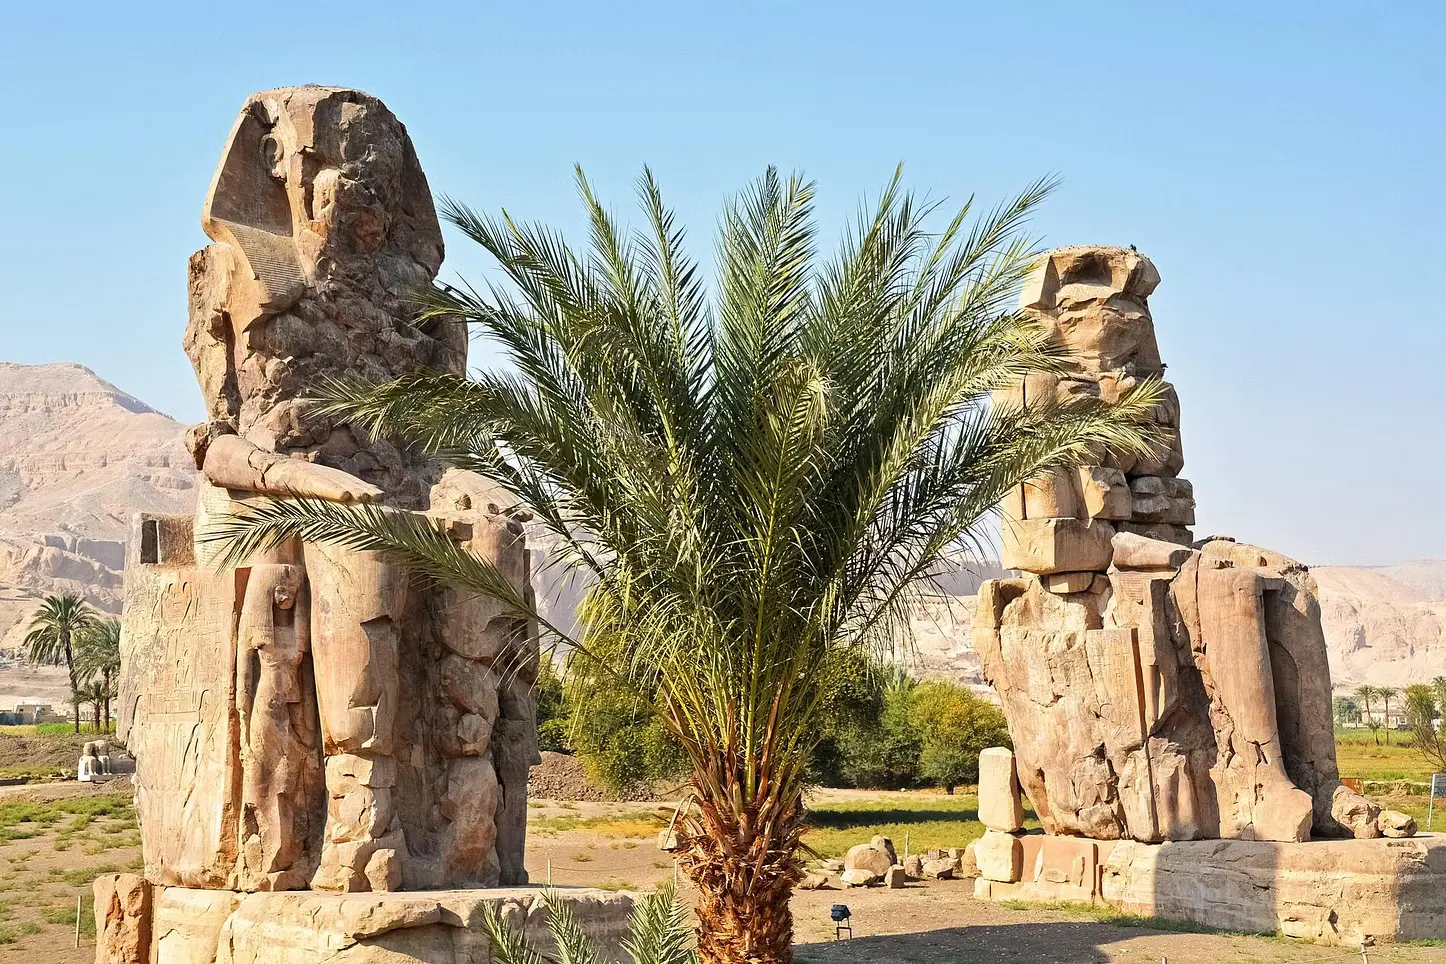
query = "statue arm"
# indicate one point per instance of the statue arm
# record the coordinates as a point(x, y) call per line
point(234, 463)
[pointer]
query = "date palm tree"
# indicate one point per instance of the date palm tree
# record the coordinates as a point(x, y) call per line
point(54, 632)
point(1386, 693)
point(97, 695)
point(751, 473)
point(657, 934)
point(1365, 693)
point(99, 655)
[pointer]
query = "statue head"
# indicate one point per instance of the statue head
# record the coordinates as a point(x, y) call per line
point(325, 233)
point(318, 185)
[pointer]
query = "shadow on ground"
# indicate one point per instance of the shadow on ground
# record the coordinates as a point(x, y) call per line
point(1063, 942)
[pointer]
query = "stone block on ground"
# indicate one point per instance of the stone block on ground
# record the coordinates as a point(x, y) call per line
point(1394, 823)
point(968, 863)
point(1333, 891)
point(914, 866)
point(1000, 856)
point(427, 927)
point(869, 857)
point(860, 877)
point(834, 866)
point(1001, 805)
point(896, 877)
point(940, 868)
point(813, 882)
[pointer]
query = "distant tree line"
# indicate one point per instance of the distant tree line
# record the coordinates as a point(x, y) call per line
point(880, 728)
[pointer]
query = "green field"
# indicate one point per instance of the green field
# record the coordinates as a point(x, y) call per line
point(1358, 756)
point(926, 822)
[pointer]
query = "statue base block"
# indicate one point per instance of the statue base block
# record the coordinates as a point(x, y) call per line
point(187, 926)
point(1332, 891)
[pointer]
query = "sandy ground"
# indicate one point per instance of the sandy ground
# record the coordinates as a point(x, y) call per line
point(937, 922)
point(46, 684)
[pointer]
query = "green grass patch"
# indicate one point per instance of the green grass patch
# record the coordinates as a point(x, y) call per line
point(1362, 758)
point(7, 934)
point(640, 824)
point(81, 811)
point(616, 885)
point(926, 822)
point(54, 729)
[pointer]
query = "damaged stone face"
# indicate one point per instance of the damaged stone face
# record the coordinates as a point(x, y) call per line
point(1154, 690)
point(315, 718)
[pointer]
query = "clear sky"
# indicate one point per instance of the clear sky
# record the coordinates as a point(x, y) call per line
point(1280, 162)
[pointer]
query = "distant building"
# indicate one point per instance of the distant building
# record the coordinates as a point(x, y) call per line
point(28, 712)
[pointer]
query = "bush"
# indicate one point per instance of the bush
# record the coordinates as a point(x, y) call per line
point(613, 726)
point(953, 726)
point(551, 710)
point(879, 729)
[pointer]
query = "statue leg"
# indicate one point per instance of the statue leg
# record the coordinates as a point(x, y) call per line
point(357, 602)
point(1266, 804)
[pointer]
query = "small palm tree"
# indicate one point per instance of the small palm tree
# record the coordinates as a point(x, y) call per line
point(98, 655)
point(749, 481)
point(97, 695)
point(658, 933)
point(54, 631)
point(1386, 693)
point(1365, 693)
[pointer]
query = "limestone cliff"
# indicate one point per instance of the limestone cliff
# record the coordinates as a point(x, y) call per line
point(77, 457)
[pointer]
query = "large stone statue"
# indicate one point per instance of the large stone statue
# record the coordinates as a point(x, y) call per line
point(1169, 700)
point(1154, 691)
point(315, 718)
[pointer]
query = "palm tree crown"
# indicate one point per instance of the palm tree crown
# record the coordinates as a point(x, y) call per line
point(748, 479)
point(98, 655)
point(53, 633)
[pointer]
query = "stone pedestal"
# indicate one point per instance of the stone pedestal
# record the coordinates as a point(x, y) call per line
point(189, 926)
point(1334, 891)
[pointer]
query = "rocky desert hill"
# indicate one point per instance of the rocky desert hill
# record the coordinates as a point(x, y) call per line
point(78, 456)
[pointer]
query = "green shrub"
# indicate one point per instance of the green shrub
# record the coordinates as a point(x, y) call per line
point(953, 726)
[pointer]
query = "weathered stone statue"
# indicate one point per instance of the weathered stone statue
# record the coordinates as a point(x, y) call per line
point(1169, 701)
point(315, 718)
point(1154, 691)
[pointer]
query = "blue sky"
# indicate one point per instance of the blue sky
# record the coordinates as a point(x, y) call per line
point(1280, 162)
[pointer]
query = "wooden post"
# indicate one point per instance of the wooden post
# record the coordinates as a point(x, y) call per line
point(79, 902)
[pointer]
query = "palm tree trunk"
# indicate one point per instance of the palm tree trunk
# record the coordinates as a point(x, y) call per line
point(744, 880)
point(74, 693)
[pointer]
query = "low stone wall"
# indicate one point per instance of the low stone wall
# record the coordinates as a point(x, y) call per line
point(1333, 891)
point(140, 924)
